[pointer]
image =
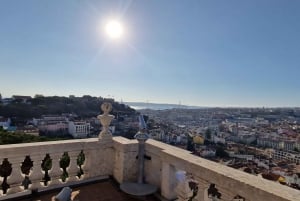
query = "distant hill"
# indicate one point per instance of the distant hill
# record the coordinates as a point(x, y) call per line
point(85, 107)
point(158, 106)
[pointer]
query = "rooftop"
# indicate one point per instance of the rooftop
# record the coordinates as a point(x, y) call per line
point(177, 174)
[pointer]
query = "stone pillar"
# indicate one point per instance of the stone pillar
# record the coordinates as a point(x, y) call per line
point(202, 190)
point(168, 181)
point(15, 179)
point(55, 172)
point(36, 174)
point(86, 165)
point(125, 162)
point(73, 167)
point(125, 167)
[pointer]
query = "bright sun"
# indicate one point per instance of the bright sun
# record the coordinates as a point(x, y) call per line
point(114, 29)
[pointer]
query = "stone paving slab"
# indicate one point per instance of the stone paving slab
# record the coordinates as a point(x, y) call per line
point(102, 191)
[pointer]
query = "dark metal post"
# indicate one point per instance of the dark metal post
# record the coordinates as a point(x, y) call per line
point(141, 162)
point(141, 137)
point(140, 188)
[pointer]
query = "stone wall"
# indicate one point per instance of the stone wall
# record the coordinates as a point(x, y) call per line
point(17, 172)
point(211, 179)
point(20, 168)
point(125, 160)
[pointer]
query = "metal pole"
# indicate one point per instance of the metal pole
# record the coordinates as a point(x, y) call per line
point(141, 137)
point(141, 161)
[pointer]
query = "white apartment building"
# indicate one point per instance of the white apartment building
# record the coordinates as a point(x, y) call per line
point(276, 143)
point(79, 129)
point(270, 142)
point(289, 145)
point(283, 155)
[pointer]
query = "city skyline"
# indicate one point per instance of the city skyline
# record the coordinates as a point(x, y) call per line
point(200, 53)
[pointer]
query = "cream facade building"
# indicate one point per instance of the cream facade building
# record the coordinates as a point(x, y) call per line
point(79, 129)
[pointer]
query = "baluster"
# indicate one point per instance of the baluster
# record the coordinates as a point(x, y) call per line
point(86, 165)
point(36, 174)
point(202, 190)
point(73, 167)
point(80, 162)
point(56, 171)
point(15, 179)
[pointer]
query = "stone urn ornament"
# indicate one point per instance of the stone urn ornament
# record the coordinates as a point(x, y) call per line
point(105, 120)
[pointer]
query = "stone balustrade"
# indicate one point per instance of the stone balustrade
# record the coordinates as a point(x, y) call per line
point(52, 164)
point(46, 165)
point(207, 180)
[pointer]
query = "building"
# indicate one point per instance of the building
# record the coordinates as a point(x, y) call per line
point(283, 155)
point(270, 142)
point(31, 130)
point(23, 99)
point(52, 124)
point(157, 134)
point(5, 122)
point(6, 101)
point(80, 162)
point(79, 129)
point(289, 145)
point(278, 143)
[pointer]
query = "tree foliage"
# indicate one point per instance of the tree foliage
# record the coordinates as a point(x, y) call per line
point(208, 134)
point(16, 138)
point(220, 152)
point(85, 106)
point(190, 144)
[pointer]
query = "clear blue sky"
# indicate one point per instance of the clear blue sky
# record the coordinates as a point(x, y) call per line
point(207, 53)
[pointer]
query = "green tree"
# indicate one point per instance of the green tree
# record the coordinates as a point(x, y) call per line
point(220, 152)
point(208, 134)
point(17, 137)
point(190, 144)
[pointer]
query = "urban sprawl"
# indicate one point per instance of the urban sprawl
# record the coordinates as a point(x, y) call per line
point(260, 141)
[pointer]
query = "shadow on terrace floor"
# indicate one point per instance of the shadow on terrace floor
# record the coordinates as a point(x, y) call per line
point(101, 191)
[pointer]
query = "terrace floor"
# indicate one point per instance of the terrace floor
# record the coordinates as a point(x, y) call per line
point(101, 191)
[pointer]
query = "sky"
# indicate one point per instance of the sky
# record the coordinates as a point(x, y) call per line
point(197, 52)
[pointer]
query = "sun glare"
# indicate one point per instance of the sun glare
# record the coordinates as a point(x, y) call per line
point(114, 29)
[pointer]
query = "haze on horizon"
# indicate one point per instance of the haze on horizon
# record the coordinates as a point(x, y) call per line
point(203, 53)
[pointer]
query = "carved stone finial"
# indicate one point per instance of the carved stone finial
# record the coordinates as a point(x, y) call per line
point(105, 120)
point(106, 107)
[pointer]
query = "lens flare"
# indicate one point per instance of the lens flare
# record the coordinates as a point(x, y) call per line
point(114, 29)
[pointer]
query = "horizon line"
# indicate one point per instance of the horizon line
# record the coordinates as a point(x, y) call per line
point(147, 102)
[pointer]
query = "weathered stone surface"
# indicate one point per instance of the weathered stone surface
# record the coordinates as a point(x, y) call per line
point(118, 158)
point(125, 161)
point(230, 181)
point(99, 161)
